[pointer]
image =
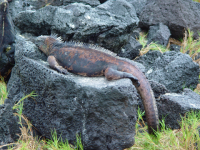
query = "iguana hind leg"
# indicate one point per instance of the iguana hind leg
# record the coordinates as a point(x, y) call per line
point(114, 74)
point(55, 65)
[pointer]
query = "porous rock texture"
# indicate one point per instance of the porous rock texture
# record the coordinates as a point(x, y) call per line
point(175, 48)
point(107, 25)
point(159, 34)
point(20, 5)
point(172, 105)
point(173, 69)
point(138, 5)
point(176, 14)
point(9, 127)
point(102, 112)
point(131, 50)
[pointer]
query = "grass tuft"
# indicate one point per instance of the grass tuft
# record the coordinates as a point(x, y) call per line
point(191, 46)
point(152, 46)
point(187, 137)
point(3, 91)
point(26, 139)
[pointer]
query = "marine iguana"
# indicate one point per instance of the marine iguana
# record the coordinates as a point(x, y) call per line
point(90, 61)
point(7, 40)
point(7, 35)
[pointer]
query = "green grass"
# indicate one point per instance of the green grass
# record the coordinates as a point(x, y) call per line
point(189, 45)
point(26, 140)
point(3, 91)
point(196, 0)
point(152, 46)
point(185, 138)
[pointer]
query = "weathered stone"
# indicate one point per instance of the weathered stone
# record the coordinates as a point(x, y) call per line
point(172, 106)
point(131, 50)
point(175, 48)
point(23, 5)
point(172, 69)
point(9, 127)
point(159, 34)
point(177, 15)
point(138, 5)
point(107, 24)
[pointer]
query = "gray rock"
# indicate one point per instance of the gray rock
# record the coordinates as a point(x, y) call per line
point(149, 59)
point(9, 127)
point(138, 5)
point(23, 5)
point(159, 34)
point(175, 48)
point(136, 33)
point(177, 15)
point(172, 69)
point(172, 105)
point(103, 112)
point(131, 50)
point(158, 89)
point(106, 25)
point(92, 3)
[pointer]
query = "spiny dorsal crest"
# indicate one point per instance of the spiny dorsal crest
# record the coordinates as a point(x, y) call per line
point(83, 45)
point(56, 37)
point(90, 46)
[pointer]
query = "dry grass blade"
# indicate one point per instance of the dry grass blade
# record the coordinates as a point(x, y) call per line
point(27, 138)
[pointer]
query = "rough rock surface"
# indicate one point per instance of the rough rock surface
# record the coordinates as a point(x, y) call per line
point(172, 105)
point(9, 127)
point(158, 89)
point(23, 5)
point(174, 70)
point(175, 48)
point(159, 34)
point(136, 33)
point(138, 5)
point(103, 112)
point(176, 14)
point(107, 24)
point(131, 50)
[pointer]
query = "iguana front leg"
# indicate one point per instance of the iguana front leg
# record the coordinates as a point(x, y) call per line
point(54, 64)
point(113, 74)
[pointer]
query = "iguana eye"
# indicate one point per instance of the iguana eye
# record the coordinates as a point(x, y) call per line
point(8, 48)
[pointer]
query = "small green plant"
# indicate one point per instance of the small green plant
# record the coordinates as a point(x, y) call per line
point(19, 105)
point(189, 136)
point(152, 46)
point(190, 46)
point(185, 138)
point(3, 91)
point(58, 144)
point(26, 140)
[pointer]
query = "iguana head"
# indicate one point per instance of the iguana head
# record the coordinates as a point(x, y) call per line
point(45, 43)
point(4, 7)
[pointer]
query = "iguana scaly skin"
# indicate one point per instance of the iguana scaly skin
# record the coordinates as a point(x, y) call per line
point(7, 35)
point(90, 61)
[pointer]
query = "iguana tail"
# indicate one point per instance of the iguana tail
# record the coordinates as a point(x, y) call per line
point(148, 98)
